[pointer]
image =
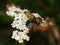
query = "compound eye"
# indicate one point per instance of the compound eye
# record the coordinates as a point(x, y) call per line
point(30, 25)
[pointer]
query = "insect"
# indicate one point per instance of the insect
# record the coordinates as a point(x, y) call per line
point(36, 24)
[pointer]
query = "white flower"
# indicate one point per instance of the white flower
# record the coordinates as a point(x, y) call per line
point(20, 36)
point(26, 37)
point(12, 8)
point(14, 34)
point(10, 13)
point(19, 23)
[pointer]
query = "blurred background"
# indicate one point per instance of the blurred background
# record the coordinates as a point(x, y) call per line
point(46, 8)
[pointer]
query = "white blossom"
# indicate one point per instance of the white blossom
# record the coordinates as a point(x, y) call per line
point(19, 23)
point(14, 34)
point(20, 36)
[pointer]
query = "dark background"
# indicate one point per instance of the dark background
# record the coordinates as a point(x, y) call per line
point(45, 8)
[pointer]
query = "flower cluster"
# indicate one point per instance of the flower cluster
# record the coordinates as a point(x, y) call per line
point(20, 36)
point(20, 19)
point(19, 23)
